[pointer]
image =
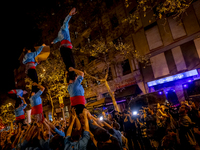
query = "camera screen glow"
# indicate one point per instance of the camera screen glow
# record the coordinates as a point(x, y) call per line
point(135, 113)
point(101, 118)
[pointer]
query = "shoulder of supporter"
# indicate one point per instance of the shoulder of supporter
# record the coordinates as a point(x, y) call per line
point(61, 133)
point(84, 139)
point(67, 140)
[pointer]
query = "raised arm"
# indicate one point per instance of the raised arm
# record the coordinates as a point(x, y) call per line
point(69, 131)
point(77, 122)
point(86, 120)
point(81, 73)
point(67, 19)
point(39, 86)
point(39, 50)
point(50, 124)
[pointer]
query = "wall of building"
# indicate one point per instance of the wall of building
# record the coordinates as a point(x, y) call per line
point(173, 47)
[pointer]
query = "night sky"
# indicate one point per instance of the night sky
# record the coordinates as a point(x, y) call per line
point(19, 30)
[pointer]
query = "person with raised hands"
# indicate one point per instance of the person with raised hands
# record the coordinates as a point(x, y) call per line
point(74, 141)
point(56, 129)
point(30, 65)
point(36, 104)
point(76, 91)
point(65, 43)
point(19, 110)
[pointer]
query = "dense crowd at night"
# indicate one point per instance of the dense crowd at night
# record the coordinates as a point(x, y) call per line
point(162, 128)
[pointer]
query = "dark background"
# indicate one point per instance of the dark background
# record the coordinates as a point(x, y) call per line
point(21, 27)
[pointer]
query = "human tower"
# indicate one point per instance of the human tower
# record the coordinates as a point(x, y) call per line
point(75, 88)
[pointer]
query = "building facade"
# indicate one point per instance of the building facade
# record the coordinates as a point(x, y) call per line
point(173, 48)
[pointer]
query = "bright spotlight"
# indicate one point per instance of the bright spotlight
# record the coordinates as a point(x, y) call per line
point(101, 118)
point(135, 113)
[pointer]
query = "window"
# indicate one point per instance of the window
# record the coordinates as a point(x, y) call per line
point(176, 29)
point(126, 67)
point(114, 21)
point(153, 36)
point(159, 65)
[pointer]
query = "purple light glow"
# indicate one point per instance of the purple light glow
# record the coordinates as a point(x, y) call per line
point(189, 80)
point(173, 78)
point(160, 93)
point(117, 102)
point(185, 85)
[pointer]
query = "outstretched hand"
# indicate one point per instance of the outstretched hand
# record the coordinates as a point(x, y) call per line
point(71, 69)
point(73, 11)
point(34, 84)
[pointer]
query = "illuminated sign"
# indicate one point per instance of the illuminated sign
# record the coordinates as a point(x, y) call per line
point(173, 78)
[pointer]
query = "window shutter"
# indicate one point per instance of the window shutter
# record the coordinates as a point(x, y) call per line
point(176, 30)
point(153, 37)
point(159, 65)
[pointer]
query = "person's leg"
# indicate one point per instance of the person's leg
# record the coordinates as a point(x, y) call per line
point(68, 57)
point(33, 75)
point(79, 109)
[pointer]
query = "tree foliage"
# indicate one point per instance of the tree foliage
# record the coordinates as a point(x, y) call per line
point(161, 9)
point(7, 113)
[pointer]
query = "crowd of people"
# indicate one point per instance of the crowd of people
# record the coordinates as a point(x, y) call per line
point(162, 128)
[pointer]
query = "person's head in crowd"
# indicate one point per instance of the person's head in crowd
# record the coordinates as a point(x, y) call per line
point(58, 127)
point(115, 125)
point(193, 105)
point(111, 144)
point(76, 135)
point(18, 103)
point(104, 114)
point(183, 110)
point(116, 113)
point(101, 135)
point(57, 142)
point(71, 77)
point(110, 117)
